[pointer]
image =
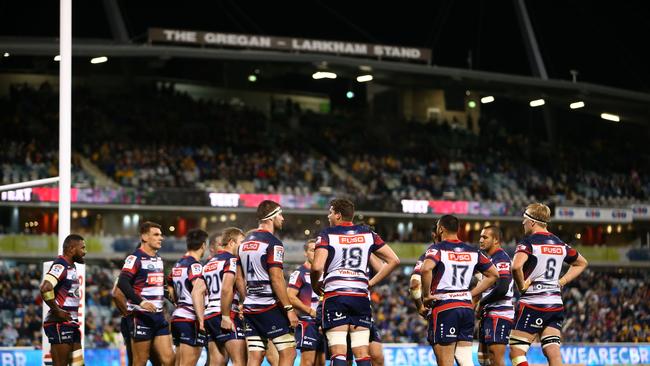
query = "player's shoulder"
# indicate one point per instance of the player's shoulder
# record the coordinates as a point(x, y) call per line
point(456, 246)
point(135, 256)
point(525, 243)
point(274, 240)
point(299, 271)
point(527, 239)
point(363, 228)
point(500, 256)
point(257, 235)
point(264, 237)
point(192, 261)
point(139, 254)
point(58, 267)
point(181, 262)
point(328, 230)
point(433, 246)
point(556, 239)
point(225, 255)
point(61, 261)
point(432, 249)
point(303, 269)
point(467, 247)
point(542, 238)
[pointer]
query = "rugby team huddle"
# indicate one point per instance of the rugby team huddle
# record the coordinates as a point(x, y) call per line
point(239, 306)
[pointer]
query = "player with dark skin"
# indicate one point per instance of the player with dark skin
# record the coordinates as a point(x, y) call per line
point(67, 351)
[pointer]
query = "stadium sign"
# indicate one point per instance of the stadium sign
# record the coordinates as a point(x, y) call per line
point(641, 212)
point(593, 214)
point(18, 195)
point(441, 207)
point(290, 44)
point(252, 200)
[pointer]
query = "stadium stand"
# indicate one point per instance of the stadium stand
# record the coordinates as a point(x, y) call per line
point(207, 152)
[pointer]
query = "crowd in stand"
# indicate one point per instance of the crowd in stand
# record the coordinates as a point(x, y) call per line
point(25, 161)
point(20, 305)
point(167, 139)
point(603, 305)
point(612, 307)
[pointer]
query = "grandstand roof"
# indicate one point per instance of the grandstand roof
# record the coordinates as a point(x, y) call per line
point(601, 40)
point(477, 43)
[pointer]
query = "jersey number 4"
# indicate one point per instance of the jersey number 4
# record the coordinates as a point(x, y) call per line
point(249, 268)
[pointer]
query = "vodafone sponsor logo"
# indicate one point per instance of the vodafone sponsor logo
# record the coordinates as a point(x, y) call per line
point(250, 246)
point(463, 295)
point(458, 295)
point(460, 257)
point(552, 250)
point(352, 239)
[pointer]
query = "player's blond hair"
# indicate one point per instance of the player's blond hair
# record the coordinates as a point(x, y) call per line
point(539, 212)
point(230, 233)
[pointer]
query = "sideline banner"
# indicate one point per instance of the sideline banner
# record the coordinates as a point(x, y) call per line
point(395, 355)
point(593, 214)
point(605, 354)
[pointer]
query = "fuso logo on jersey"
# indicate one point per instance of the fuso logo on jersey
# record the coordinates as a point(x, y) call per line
point(155, 279)
point(460, 257)
point(211, 266)
point(177, 272)
point(552, 250)
point(129, 262)
point(250, 246)
point(352, 239)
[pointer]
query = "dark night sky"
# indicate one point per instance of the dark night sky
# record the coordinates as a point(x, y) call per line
point(607, 42)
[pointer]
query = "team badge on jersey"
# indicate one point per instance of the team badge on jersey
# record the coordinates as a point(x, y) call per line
point(129, 262)
point(196, 269)
point(278, 254)
point(233, 263)
point(56, 270)
point(294, 278)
